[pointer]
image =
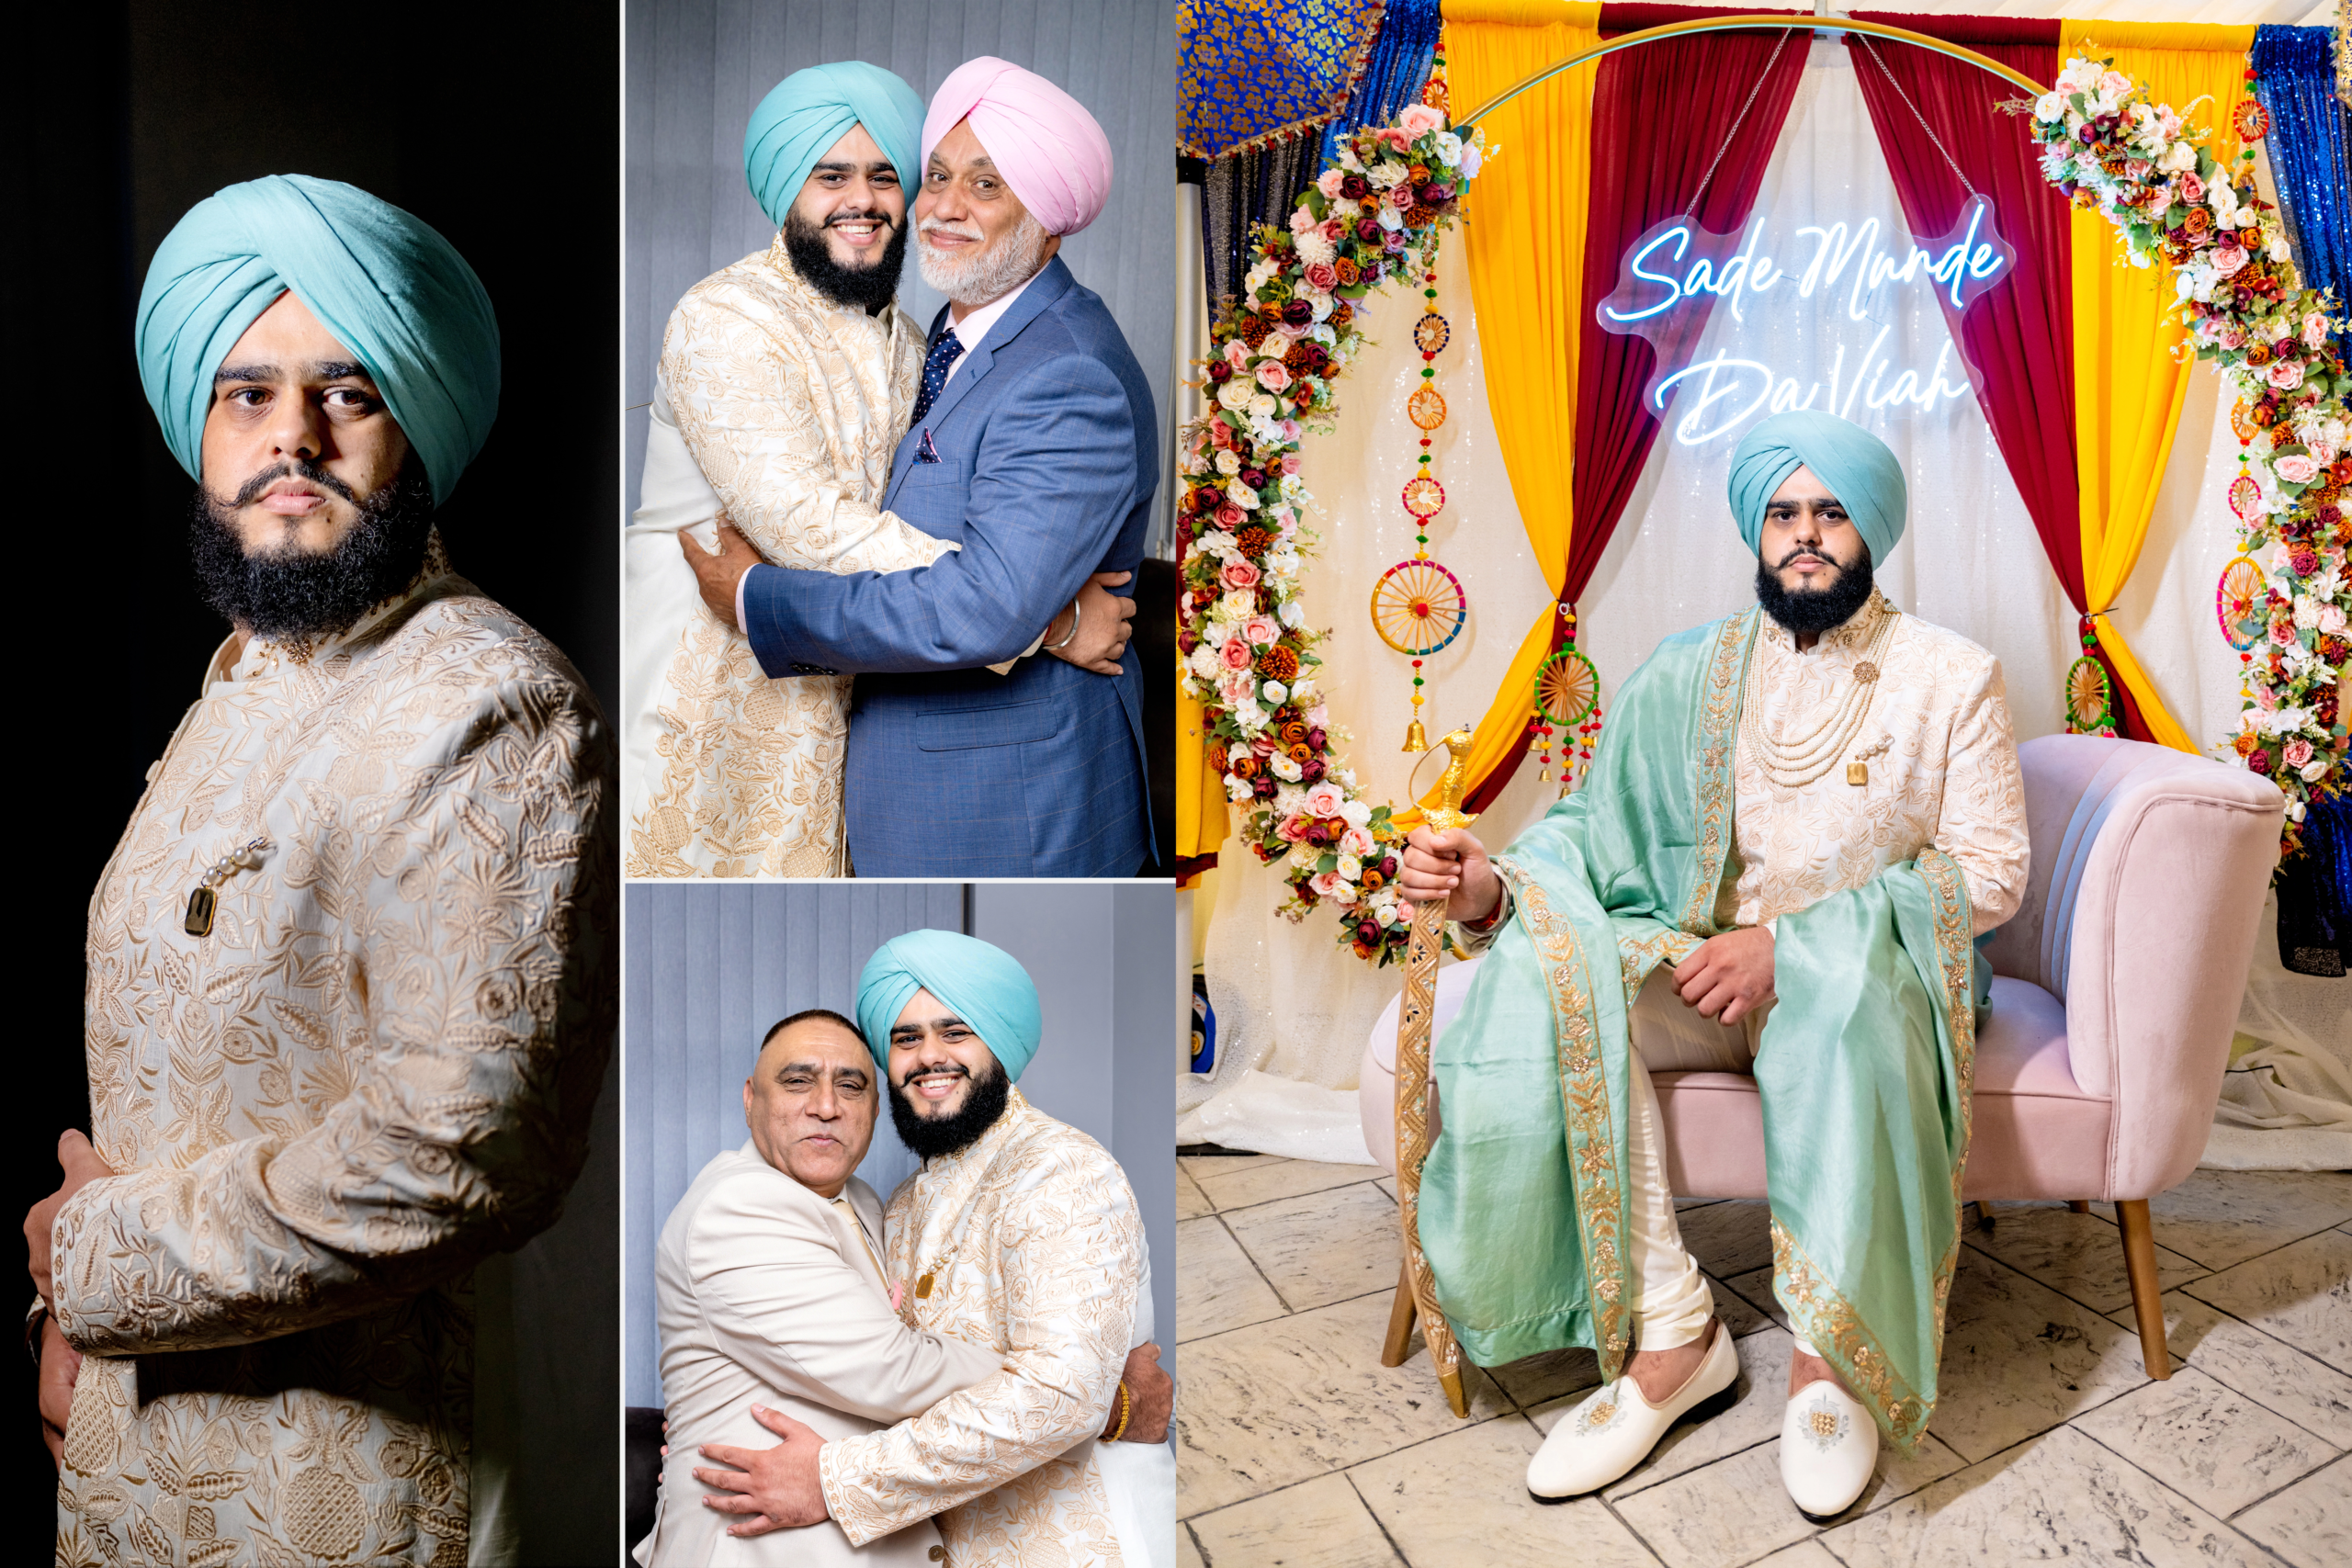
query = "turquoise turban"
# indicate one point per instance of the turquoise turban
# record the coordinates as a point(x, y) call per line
point(981, 984)
point(392, 291)
point(1856, 466)
point(809, 110)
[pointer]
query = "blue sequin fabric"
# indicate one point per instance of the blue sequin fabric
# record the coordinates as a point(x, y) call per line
point(1255, 71)
point(2295, 72)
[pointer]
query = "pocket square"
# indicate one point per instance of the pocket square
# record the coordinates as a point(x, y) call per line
point(926, 451)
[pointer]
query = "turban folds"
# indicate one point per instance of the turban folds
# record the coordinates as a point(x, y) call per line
point(392, 291)
point(981, 984)
point(1856, 467)
point(1049, 149)
point(809, 110)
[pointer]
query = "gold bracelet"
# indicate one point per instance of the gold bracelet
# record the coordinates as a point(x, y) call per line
point(1125, 1410)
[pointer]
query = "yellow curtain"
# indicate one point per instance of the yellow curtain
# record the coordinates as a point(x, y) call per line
point(1525, 245)
point(1201, 819)
point(2128, 384)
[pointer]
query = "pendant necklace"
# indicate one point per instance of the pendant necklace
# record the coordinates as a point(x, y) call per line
point(205, 898)
point(1794, 763)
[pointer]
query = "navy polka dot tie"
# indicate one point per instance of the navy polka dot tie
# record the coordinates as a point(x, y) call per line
point(944, 350)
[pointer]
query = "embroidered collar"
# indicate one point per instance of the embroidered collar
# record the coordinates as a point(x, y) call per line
point(1846, 639)
point(231, 661)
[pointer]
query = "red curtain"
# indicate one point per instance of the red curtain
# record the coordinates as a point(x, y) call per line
point(1660, 114)
point(2018, 337)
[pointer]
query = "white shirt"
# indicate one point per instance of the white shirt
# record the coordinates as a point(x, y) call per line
point(973, 327)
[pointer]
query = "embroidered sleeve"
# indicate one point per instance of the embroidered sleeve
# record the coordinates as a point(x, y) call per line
point(1477, 936)
point(455, 910)
point(1069, 1266)
point(1982, 822)
point(751, 397)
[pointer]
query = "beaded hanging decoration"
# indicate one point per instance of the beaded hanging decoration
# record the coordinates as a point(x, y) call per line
point(2090, 701)
point(1568, 701)
point(1419, 606)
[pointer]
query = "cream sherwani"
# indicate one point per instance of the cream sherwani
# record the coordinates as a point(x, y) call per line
point(1942, 768)
point(1028, 1242)
point(780, 409)
point(374, 1072)
point(767, 1294)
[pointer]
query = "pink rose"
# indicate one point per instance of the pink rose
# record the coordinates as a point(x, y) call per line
point(1325, 799)
point(2284, 374)
point(1290, 462)
point(1317, 716)
point(2228, 259)
point(1329, 884)
point(1328, 182)
point(1291, 829)
point(1400, 195)
point(1323, 276)
point(1356, 841)
point(1261, 630)
point(2295, 467)
point(2282, 632)
point(1235, 654)
point(1333, 228)
point(1229, 516)
point(2192, 189)
point(2233, 337)
point(1236, 686)
point(1237, 353)
point(1419, 119)
point(1273, 375)
point(1240, 574)
point(1301, 220)
point(2314, 330)
point(1397, 138)
point(2299, 751)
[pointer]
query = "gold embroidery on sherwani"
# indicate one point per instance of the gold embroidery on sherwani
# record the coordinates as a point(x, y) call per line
point(1584, 1102)
point(1637, 955)
point(1719, 702)
point(1820, 1314)
point(792, 406)
point(376, 1069)
point(1948, 776)
point(1034, 1248)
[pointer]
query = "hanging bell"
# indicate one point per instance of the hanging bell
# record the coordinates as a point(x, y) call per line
point(1416, 737)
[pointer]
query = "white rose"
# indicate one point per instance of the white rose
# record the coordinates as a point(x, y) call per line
point(1239, 605)
point(1236, 393)
point(1391, 220)
point(2279, 250)
point(1262, 407)
point(1236, 789)
point(1303, 688)
point(2048, 108)
point(1292, 614)
point(1355, 813)
point(1349, 868)
point(2332, 619)
point(1322, 307)
point(1241, 494)
point(1276, 692)
point(1229, 463)
point(2180, 158)
point(1282, 767)
point(2294, 811)
point(2315, 770)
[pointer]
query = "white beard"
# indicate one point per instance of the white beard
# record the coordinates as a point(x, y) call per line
point(991, 274)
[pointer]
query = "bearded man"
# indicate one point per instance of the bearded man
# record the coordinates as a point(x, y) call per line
point(1018, 1234)
point(1033, 446)
point(785, 382)
point(345, 1016)
point(1799, 817)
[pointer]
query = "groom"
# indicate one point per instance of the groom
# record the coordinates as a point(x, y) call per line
point(1033, 446)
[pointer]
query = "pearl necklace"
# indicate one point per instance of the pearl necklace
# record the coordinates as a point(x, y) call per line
point(1793, 764)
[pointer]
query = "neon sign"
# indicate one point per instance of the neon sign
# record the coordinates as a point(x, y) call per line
point(1677, 270)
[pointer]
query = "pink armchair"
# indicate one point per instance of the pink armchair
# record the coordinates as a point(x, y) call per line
point(2115, 989)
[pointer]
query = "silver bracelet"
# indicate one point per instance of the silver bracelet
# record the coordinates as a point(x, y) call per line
point(1075, 611)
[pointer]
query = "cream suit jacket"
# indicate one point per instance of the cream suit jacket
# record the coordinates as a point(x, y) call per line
point(764, 1294)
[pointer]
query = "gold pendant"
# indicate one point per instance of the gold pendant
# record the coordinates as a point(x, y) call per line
point(923, 1287)
point(1857, 773)
point(199, 912)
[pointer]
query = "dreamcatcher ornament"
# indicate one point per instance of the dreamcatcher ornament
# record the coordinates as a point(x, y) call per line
point(2285, 602)
point(1568, 702)
point(2090, 700)
point(1417, 606)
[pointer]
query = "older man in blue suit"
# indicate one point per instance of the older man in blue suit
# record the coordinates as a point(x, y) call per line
point(1033, 446)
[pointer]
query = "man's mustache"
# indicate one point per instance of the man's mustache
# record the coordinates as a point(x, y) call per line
point(958, 1068)
point(877, 215)
point(941, 226)
point(1800, 553)
point(314, 472)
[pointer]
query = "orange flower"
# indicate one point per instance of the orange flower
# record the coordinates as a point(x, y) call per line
point(1419, 216)
point(1302, 752)
point(2244, 742)
point(2197, 220)
point(1344, 312)
point(1294, 733)
point(1254, 330)
point(2258, 354)
point(1373, 881)
point(1247, 768)
point(1254, 540)
point(1298, 358)
point(1418, 173)
point(1349, 273)
point(1278, 663)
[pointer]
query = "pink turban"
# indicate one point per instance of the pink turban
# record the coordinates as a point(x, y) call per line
point(1051, 153)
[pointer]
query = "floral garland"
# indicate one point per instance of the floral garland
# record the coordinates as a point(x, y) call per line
point(1373, 215)
point(2107, 146)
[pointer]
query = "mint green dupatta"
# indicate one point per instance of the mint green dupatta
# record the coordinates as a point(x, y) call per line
point(1863, 1065)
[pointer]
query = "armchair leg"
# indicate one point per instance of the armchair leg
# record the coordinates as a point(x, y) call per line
point(2139, 1263)
point(1401, 1317)
point(2080, 1205)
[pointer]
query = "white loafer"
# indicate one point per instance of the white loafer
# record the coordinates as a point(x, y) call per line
point(1614, 1430)
point(1829, 1449)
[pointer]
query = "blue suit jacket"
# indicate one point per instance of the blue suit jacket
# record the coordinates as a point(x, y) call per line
point(1048, 455)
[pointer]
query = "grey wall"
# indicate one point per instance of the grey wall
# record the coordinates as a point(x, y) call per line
point(694, 70)
point(709, 967)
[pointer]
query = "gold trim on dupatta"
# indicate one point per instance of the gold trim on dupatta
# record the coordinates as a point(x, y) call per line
point(1819, 1313)
point(1718, 738)
point(1584, 1103)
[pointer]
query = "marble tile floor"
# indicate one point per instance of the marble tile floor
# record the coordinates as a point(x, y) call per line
point(1297, 1449)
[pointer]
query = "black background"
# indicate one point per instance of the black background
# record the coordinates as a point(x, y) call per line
point(498, 126)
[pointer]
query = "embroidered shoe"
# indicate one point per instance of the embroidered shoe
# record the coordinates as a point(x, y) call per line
point(1829, 1449)
point(1614, 1430)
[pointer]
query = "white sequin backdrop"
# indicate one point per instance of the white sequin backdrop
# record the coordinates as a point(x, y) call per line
point(1293, 1008)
